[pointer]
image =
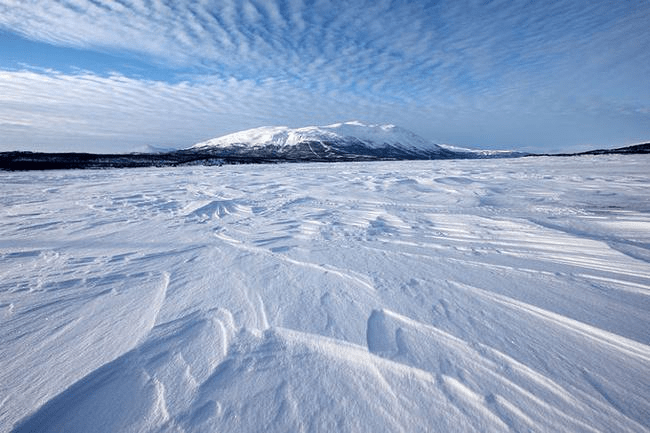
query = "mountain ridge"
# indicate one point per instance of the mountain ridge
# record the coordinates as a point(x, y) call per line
point(335, 141)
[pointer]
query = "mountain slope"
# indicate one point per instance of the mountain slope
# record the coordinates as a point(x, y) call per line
point(350, 140)
point(634, 149)
point(463, 152)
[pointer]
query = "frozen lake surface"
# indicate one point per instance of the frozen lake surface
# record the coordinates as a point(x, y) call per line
point(452, 296)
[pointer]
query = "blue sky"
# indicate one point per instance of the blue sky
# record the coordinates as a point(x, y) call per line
point(114, 76)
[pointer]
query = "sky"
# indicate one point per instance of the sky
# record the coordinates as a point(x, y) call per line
point(123, 75)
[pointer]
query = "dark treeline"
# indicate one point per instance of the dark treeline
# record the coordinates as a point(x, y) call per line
point(21, 161)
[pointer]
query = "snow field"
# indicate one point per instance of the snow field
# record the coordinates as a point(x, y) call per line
point(475, 295)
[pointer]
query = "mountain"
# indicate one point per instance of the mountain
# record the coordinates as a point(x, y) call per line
point(340, 141)
point(462, 152)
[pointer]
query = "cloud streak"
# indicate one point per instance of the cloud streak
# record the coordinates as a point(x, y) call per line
point(448, 61)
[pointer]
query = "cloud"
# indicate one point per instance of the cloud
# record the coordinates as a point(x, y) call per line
point(438, 61)
point(462, 44)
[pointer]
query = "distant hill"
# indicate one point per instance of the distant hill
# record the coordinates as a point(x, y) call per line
point(637, 148)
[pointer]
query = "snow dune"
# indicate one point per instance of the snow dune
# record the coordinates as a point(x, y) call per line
point(452, 296)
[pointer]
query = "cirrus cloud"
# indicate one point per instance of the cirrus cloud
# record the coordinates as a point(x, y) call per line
point(467, 72)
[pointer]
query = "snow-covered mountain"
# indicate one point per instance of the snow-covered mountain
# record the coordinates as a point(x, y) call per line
point(468, 153)
point(349, 140)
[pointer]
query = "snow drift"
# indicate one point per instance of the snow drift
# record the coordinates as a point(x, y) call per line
point(454, 296)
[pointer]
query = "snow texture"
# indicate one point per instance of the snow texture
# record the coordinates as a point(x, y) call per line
point(451, 296)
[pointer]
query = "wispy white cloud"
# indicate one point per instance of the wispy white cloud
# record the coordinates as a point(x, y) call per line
point(443, 61)
point(460, 41)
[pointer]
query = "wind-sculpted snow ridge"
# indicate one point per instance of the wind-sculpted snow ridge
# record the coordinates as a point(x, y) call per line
point(454, 296)
point(332, 142)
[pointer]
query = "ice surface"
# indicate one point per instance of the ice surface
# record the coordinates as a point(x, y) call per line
point(472, 295)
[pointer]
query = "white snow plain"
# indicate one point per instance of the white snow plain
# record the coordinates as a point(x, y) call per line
point(450, 296)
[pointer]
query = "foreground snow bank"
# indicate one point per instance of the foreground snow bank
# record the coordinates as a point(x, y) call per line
point(491, 295)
